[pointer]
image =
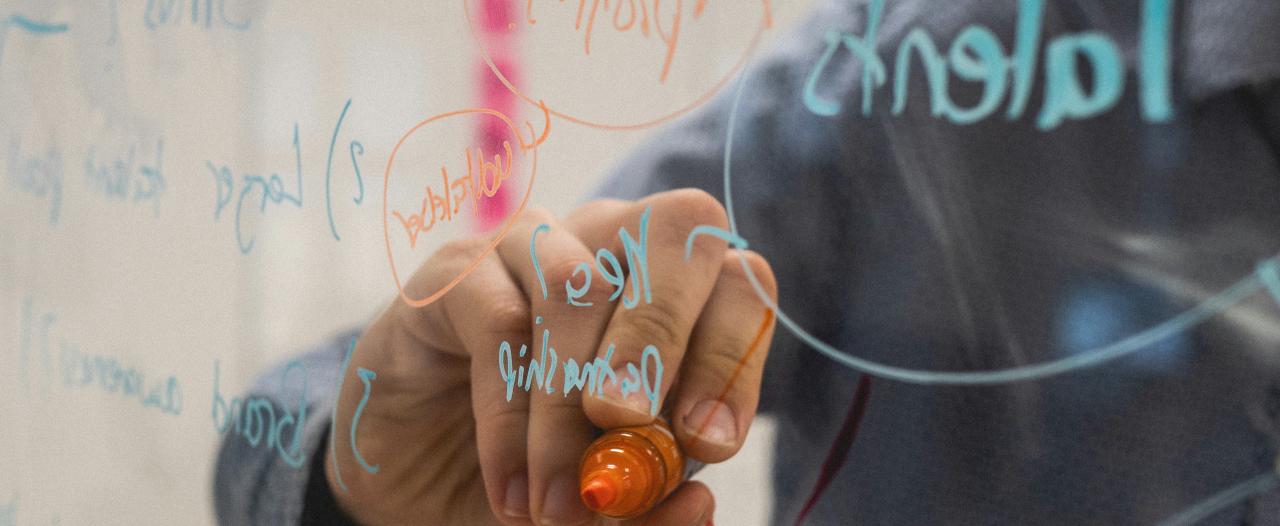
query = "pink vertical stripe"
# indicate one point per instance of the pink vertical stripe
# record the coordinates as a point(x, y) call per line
point(498, 24)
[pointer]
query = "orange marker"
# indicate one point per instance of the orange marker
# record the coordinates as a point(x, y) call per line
point(629, 470)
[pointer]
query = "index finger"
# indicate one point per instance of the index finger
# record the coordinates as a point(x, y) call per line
point(721, 376)
point(661, 301)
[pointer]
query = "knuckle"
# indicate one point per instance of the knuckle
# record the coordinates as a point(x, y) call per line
point(537, 214)
point(599, 292)
point(498, 414)
point(600, 206)
point(559, 271)
point(463, 249)
point(655, 324)
point(508, 315)
point(694, 207)
point(568, 272)
point(733, 269)
point(718, 364)
point(450, 259)
point(557, 412)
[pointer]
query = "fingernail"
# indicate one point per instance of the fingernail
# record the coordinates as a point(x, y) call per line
point(712, 422)
point(634, 402)
point(561, 505)
point(516, 502)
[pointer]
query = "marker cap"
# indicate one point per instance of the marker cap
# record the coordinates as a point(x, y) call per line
point(629, 470)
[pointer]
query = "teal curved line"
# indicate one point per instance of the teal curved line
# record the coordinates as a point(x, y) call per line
point(32, 26)
point(1267, 276)
point(533, 254)
point(28, 25)
point(734, 240)
point(1269, 271)
point(1230, 496)
point(365, 376)
point(333, 418)
point(328, 172)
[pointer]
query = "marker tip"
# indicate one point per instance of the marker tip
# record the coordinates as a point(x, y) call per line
point(598, 493)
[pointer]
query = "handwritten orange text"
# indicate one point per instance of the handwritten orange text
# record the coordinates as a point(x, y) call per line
point(628, 15)
point(448, 203)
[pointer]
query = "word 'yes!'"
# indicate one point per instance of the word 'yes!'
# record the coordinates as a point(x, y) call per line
point(590, 377)
point(637, 256)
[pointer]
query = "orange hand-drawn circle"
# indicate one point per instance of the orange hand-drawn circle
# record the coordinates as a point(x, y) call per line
point(497, 238)
point(766, 21)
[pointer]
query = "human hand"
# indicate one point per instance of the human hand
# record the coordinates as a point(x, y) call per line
point(449, 445)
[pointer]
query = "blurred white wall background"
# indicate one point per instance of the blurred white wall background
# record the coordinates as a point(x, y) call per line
point(98, 260)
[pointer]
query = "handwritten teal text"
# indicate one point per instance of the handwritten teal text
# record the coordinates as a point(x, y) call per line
point(271, 188)
point(977, 55)
point(589, 377)
point(254, 416)
point(37, 175)
point(125, 177)
point(81, 370)
point(193, 13)
point(636, 252)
